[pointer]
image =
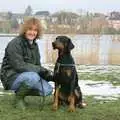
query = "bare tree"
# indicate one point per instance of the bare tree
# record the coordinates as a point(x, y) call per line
point(28, 11)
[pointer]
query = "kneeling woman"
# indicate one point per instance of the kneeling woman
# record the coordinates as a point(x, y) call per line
point(21, 69)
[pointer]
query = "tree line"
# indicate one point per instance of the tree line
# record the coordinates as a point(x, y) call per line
point(62, 22)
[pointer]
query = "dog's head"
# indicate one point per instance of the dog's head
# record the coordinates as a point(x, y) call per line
point(63, 43)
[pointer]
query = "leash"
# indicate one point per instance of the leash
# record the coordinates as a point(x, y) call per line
point(43, 97)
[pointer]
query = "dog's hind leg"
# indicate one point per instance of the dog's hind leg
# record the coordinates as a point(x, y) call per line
point(79, 101)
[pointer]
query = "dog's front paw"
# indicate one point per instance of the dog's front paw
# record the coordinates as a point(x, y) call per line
point(71, 109)
point(55, 107)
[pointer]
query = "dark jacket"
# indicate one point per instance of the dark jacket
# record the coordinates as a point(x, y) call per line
point(19, 57)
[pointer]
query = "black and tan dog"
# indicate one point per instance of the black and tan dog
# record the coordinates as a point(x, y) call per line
point(67, 90)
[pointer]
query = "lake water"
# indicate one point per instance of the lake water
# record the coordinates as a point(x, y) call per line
point(89, 49)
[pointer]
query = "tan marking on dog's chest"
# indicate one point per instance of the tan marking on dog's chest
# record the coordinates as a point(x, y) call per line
point(68, 72)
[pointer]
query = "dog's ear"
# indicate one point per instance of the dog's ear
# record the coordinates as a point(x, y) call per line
point(70, 44)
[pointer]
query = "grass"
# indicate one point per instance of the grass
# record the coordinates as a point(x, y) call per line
point(96, 110)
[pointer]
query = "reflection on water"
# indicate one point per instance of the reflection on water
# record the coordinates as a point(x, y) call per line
point(114, 51)
point(89, 49)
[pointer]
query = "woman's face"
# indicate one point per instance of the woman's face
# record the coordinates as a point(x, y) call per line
point(31, 33)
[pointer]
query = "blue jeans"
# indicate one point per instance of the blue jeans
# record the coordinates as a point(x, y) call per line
point(34, 81)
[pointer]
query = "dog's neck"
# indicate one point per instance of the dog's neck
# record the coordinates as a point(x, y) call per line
point(62, 53)
point(65, 57)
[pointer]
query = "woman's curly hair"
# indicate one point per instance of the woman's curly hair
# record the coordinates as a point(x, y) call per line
point(28, 24)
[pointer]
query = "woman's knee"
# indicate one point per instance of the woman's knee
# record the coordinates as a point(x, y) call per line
point(30, 78)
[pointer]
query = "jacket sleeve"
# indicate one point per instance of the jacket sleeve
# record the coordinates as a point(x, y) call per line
point(16, 60)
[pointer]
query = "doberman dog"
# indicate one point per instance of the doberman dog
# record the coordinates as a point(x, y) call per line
point(67, 90)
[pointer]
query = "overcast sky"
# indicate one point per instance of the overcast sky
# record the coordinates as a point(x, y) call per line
point(17, 6)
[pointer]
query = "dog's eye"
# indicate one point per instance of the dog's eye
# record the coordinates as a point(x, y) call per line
point(57, 39)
